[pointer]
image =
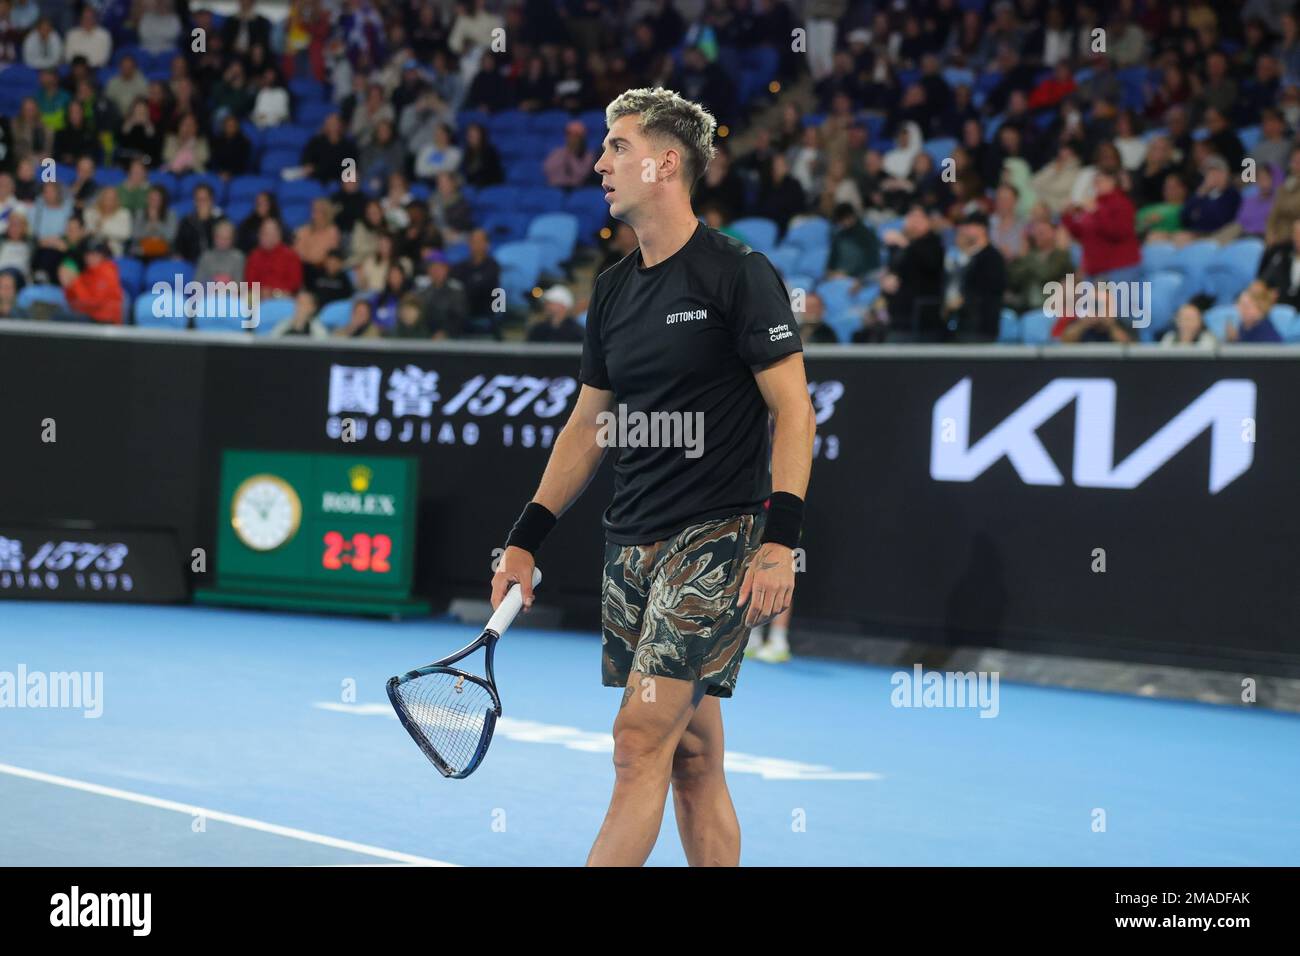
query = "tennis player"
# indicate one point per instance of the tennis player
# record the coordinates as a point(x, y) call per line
point(694, 327)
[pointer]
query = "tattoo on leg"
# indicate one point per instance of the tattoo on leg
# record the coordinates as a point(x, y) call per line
point(627, 695)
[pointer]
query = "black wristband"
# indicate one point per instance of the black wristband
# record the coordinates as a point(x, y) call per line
point(534, 524)
point(784, 519)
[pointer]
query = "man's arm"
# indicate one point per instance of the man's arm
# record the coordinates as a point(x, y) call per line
point(785, 390)
point(574, 460)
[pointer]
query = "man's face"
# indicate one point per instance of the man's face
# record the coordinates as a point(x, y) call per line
point(478, 243)
point(630, 169)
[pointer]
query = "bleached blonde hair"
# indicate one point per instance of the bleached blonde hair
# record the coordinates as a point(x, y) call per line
point(668, 115)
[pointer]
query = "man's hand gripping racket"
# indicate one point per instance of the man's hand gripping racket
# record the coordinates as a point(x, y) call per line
point(450, 712)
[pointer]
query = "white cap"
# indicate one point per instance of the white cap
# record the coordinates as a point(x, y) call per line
point(558, 293)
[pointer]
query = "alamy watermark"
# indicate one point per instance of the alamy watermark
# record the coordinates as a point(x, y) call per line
point(977, 689)
point(241, 300)
point(72, 690)
point(624, 429)
point(1087, 298)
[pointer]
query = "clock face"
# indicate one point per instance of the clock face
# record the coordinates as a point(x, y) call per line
point(265, 512)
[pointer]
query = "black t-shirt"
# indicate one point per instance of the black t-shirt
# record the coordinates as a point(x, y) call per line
point(683, 338)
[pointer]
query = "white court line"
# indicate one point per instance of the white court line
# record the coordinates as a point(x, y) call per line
point(220, 817)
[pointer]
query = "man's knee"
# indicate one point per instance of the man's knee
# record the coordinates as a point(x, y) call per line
point(637, 749)
point(696, 765)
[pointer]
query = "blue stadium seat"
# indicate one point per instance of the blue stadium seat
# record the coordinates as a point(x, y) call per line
point(295, 214)
point(1193, 261)
point(1009, 327)
point(143, 314)
point(299, 191)
point(520, 269)
point(786, 259)
point(1158, 257)
point(813, 259)
point(182, 207)
point(809, 232)
point(238, 210)
point(589, 205)
point(1285, 321)
point(166, 270)
point(500, 197)
point(310, 115)
point(336, 314)
point(130, 272)
point(1233, 267)
point(285, 137)
point(274, 160)
point(523, 172)
point(537, 200)
point(188, 183)
point(44, 294)
point(1166, 297)
point(940, 149)
point(272, 312)
point(556, 233)
point(1218, 318)
point(836, 295)
point(456, 252)
point(1036, 327)
point(759, 233)
point(550, 123)
point(505, 226)
point(110, 176)
point(247, 187)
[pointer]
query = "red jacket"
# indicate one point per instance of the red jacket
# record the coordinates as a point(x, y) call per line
point(97, 293)
point(280, 268)
point(1106, 234)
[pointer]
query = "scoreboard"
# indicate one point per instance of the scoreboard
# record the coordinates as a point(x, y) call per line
point(316, 532)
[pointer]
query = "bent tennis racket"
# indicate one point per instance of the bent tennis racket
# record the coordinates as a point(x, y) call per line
point(450, 712)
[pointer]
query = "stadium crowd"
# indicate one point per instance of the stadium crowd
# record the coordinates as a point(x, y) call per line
point(920, 171)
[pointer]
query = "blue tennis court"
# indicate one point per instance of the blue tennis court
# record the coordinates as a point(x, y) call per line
point(255, 738)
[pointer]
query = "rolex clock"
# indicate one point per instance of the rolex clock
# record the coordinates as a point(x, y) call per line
point(316, 532)
point(265, 512)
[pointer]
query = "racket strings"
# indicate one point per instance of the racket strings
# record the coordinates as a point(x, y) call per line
point(450, 713)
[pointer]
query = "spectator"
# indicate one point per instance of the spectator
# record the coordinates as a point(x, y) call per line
point(95, 291)
point(373, 271)
point(271, 105)
point(16, 249)
point(134, 190)
point(316, 238)
point(1251, 323)
point(221, 262)
point(1054, 183)
point(397, 283)
point(1161, 221)
point(977, 310)
point(360, 324)
point(9, 295)
point(1101, 324)
point(449, 210)
point(782, 198)
point(194, 234)
point(1252, 217)
point(185, 151)
point(1280, 269)
point(324, 154)
point(304, 320)
point(1189, 329)
point(1104, 226)
point(265, 207)
point(376, 108)
point(1046, 260)
point(1286, 205)
point(76, 139)
point(140, 138)
point(159, 27)
point(245, 29)
point(440, 156)
point(480, 275)
point(855, 249)
point(84, 186)
point(28, 133)
point(273, 265)
point(556, 324)
point(52, 101)
point(349, 204)
point(410, 320)
point(153, 232)
point(481, 163)
point(1006, 226)
point(382, 157)
point(364, 238)
point(443, 301)
point(1273, 148)
point(88, 39)
point(43, 48)
point(813, 329)
point(838, 188)
point(49, 227)
point(570, 164)
point(913, 282)
point(108, 222)
point(10, 203)
point(1211, 212)
point(231, 153)
point(720, 186)
point(233, 95)
point(330, 283)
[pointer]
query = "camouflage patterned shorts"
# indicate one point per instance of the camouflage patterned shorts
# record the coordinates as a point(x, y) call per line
point(670, 608)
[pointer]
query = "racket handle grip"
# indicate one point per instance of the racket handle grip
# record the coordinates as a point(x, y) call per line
point(510, 605)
